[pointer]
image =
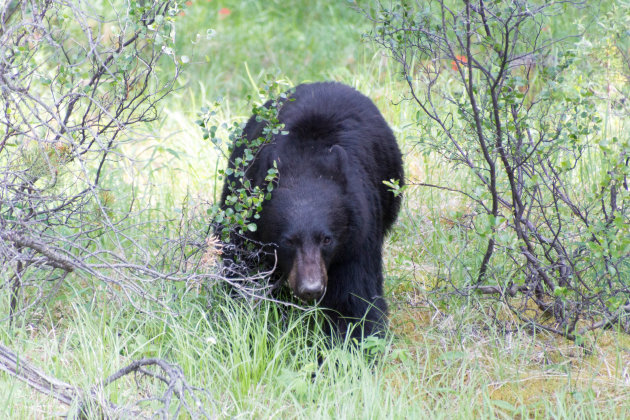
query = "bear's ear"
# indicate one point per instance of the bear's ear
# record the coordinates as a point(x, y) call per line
point(340, 156)
point(257, 172)
point(336, 164)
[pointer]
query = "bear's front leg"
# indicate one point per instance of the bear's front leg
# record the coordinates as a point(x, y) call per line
point(355, 297)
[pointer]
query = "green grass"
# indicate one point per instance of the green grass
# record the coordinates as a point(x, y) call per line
point(259, 363)
point(444, 359)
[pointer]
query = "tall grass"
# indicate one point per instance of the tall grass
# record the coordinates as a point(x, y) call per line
point(270, 362)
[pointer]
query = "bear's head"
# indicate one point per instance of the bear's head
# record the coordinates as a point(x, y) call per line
point(309, 220)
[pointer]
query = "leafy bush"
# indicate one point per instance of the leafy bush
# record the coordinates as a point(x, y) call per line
point(76, 85)
point(503, 102)
point(242, 202)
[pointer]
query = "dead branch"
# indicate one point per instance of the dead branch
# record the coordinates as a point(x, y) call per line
point(503, 291)
point(174, 398)
point(35, 378)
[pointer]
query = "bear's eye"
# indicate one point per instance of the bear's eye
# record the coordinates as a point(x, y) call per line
point(287, 242)
point(326, 240)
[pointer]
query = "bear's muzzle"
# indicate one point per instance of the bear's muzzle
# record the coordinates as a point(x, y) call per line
point(308, 277)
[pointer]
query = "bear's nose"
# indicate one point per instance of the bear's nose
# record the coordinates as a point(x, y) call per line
point(311, 291)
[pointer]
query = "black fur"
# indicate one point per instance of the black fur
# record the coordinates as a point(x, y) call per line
point(330, 202)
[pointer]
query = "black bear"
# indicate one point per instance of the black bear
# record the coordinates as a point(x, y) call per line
point(329, 213)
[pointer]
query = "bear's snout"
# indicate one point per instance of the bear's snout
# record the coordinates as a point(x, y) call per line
point(308, 277)
point(310, 291)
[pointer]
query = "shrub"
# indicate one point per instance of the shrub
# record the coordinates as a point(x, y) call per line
point(502, 101)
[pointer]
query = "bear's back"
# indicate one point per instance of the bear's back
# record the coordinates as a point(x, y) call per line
point(319, 116)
